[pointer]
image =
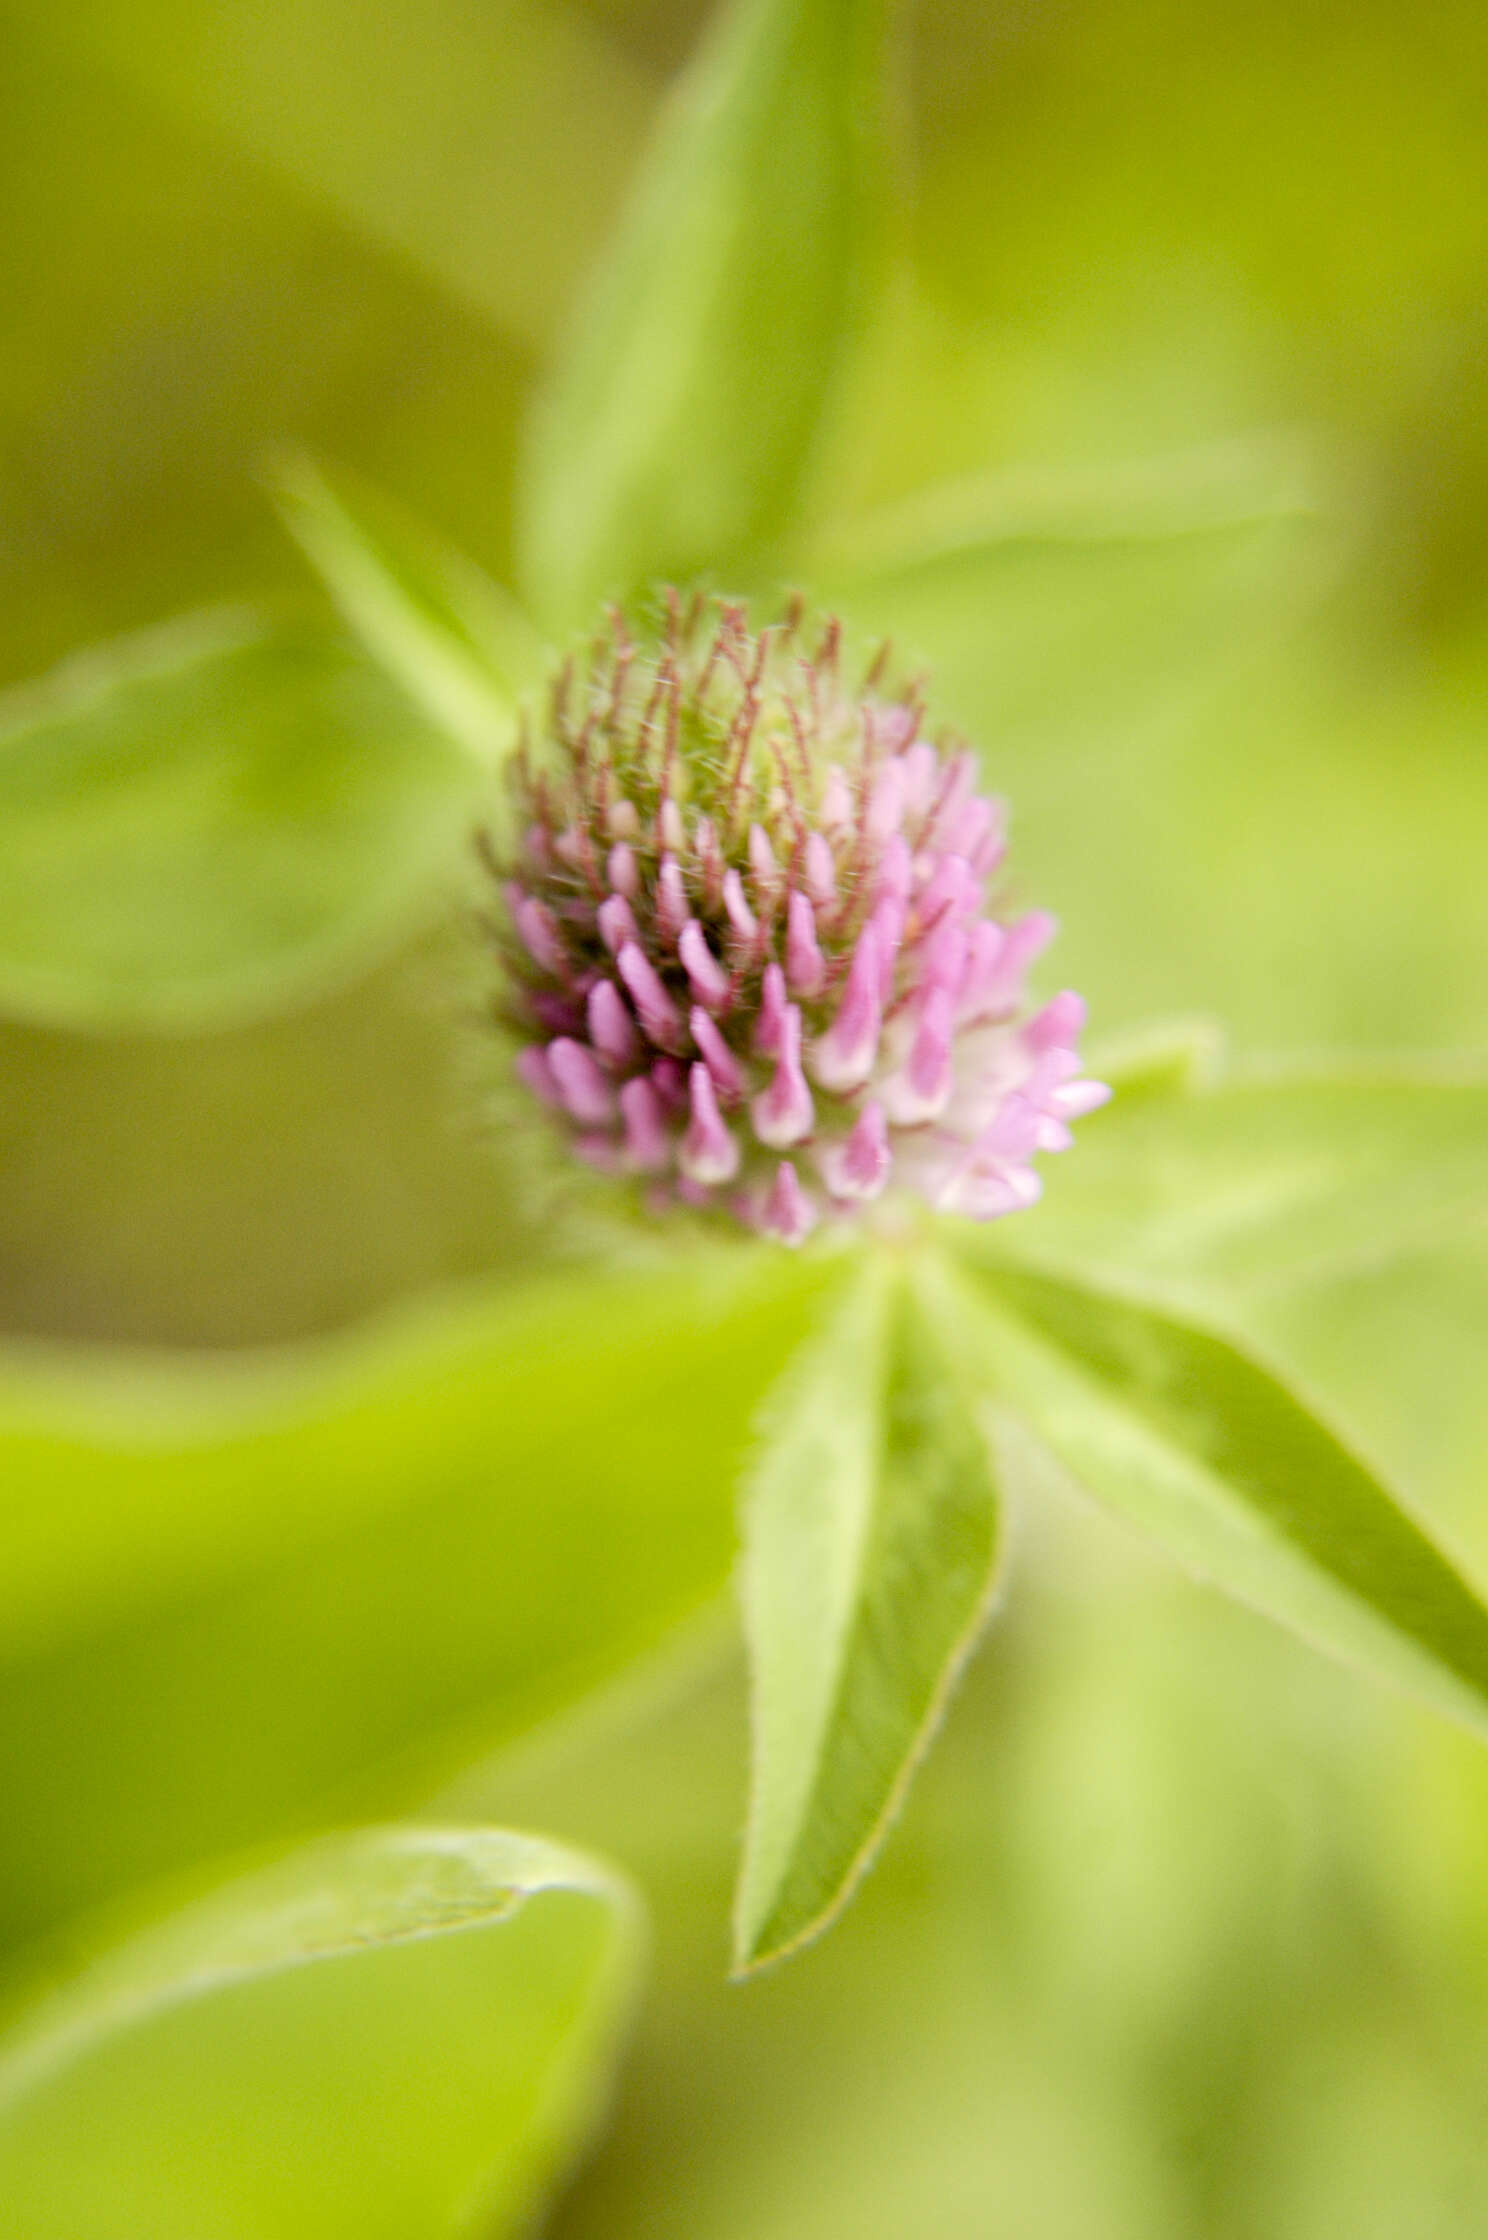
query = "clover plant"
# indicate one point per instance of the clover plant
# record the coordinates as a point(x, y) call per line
point(752, 963)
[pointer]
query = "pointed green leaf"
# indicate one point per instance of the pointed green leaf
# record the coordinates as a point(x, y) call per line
point(678, 430)
point(1215, 487)
point(1268, 1179)
point(1203, 1445)
point(398, 2032)
point(232, 1594)
point(460, 648)
point(210, 820)
point(872, 1541)
point(1051, 614)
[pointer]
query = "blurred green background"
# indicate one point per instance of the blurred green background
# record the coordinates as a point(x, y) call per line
point(1183, 1933)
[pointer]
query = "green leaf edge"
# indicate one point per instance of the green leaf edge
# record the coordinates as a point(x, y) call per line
point(142, 1976)
point(1185, 1059)
point(335, 959)
point(1238, 483)
point(748, 1964)
point(464, 667)
point(714, 74)
point(1437, 1688)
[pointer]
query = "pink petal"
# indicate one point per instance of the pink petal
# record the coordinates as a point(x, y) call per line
point(821, 870)
point(1075, 1098)
point(921, 776)
point(921, 1090)
point(710, 856)
point(896, 869)
point(611, 1027)
point(1060, 1022)
point(767, 1027)
point(784, 1114)
point(709, 1153)
point(843, 1057)
point(671, 898)
point(860, 1167)
point(581, 1080)
point(740, 916)
point(728, 1075)
point(616, 923)
point(887, 927)
point(621, 870)
point(669, 1079)
point(805, 966)
point(536, 1074)
point(958, 785)
point(539, 933)
point(647, 1143)
point(999, 988)
point(788, 1212)
point(983, 1197)
point(1012, 1133)
point(952, 890)
point(836, 801)
point(762, 859)
point(658, 1014)
point(710, 982)
point(886, 801)
point(946, 958)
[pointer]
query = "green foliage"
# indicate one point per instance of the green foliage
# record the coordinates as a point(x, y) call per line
point(240, 1599)
point(1289, 1174)
point(1161, 1871)
point(1214, 489)
point(228, 1601)
point(1182, 1430)
point(871, 1535)
point(397, 2032)
point(461, 648)
point(870, 1556)
point(679, 426)
point(1056, 619)
point(210, 820)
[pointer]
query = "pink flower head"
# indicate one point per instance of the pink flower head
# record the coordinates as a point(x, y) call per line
point(755, 953)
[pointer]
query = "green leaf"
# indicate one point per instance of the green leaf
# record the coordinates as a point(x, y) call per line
point(460, 648)
point(231, 1598)
point(1268, 1180)
point(872, 1543)
point(211, 820)
point(1215, 487)
point(399, 2032)
point(677, 432)
point(1203, 1446)
point(1055, 614)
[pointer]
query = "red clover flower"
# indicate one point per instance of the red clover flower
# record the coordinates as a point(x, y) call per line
point(749, 947)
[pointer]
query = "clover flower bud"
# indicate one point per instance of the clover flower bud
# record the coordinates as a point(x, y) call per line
point(750, 946)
